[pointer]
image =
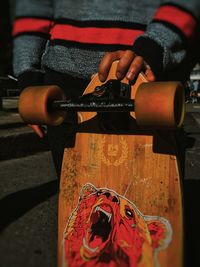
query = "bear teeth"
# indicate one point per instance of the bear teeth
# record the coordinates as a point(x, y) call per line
point(108, 214)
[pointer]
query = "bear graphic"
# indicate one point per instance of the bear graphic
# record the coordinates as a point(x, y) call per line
point(106, 229)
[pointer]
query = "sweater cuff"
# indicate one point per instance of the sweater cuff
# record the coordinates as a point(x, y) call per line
point(30, 79)
point(152, 53)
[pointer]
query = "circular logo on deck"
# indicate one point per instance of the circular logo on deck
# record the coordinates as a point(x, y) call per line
point(114, 154)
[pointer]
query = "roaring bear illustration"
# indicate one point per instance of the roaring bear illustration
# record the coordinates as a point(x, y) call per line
point(106, 229)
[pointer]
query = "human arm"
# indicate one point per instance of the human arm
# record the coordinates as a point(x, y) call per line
point(163, 47)
point(31, 27)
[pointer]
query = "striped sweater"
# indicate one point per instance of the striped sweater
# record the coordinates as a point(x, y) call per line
point(72, 36)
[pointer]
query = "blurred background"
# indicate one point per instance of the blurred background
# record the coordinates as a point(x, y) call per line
point(5, 37)
point(7, 84)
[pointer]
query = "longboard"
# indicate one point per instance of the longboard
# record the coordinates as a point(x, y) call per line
point(120, 199)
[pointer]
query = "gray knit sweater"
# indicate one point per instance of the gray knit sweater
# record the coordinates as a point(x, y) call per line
point(71, 36)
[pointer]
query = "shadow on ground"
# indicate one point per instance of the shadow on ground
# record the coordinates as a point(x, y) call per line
point(191, 190)
point(17, 204)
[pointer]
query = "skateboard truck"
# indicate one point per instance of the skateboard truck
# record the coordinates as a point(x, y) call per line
point(108, 97)
point(152, 104)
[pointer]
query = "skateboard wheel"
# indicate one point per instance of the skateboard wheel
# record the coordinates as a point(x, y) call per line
point(34, 102)
point(160, 105)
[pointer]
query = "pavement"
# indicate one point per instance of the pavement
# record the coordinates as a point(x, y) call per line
point(28, 208)
point(16, 138)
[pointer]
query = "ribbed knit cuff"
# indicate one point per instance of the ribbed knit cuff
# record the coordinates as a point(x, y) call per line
point(152, 53)
point(30, 79)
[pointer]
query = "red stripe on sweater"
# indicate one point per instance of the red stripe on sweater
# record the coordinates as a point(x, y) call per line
point(31, 25)
point(177, 17)
point(94, 35)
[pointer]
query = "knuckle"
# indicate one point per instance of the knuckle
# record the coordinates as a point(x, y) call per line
point(122, 65)
point(108, 55)
point(136, 65)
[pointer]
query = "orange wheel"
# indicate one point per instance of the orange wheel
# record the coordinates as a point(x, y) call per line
point(160, 105)
point(33, 105)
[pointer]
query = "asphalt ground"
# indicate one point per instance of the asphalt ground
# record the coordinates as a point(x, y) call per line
point(16, 138)
point(28, 211)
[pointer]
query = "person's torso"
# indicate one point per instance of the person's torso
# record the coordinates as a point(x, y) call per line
point(84, 30)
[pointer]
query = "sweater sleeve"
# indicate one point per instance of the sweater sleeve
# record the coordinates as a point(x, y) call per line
point(169, 36)
point(31, 27)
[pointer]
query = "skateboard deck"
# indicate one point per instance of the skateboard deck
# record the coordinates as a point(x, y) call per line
point(120, 199)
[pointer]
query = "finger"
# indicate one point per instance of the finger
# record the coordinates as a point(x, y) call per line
point(37, 129)
point(135, 68)
point(124, 64)
point(106, 63)
point(149, 73)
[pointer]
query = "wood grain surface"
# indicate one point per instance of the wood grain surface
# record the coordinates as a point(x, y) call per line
point(140, 166)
